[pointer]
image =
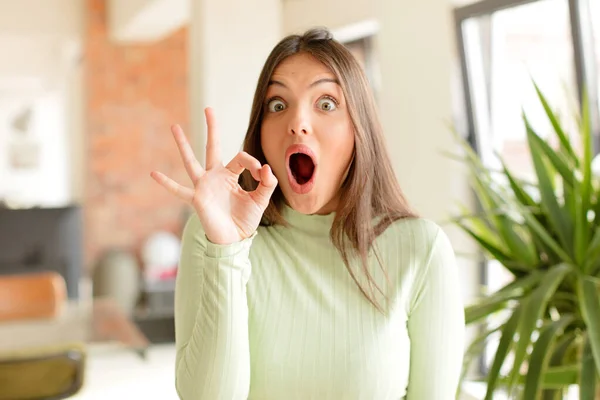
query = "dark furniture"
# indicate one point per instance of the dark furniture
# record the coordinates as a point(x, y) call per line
point(43, 239)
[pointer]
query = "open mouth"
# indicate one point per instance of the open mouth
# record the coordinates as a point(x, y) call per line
point(301, 168)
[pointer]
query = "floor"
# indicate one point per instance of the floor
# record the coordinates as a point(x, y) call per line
point(119, 374)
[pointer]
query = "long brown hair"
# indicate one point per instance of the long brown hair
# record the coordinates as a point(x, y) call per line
point(371, 190)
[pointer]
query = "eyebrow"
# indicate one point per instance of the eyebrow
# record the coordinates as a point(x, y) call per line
point(315, 83)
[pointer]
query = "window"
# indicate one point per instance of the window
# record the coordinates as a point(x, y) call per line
point(504, 51)
point(503, 45)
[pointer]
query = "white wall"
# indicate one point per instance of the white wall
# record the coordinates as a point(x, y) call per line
point(230, 41)
point(48, 183)
point(299, 15)
point(416, 100)
point(3, 156)
point(75, 129)
point(40, 39)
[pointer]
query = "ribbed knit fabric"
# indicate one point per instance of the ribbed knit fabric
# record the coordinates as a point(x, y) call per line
point(278, 317)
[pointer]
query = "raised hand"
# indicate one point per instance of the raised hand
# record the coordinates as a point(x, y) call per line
point(227, 212)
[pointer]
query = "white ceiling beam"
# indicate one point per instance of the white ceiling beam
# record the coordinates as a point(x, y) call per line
point(134, 21)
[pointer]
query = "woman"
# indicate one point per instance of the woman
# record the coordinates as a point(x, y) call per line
point(304, 274)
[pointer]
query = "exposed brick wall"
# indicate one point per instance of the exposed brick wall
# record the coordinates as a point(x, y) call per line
point(134, 93)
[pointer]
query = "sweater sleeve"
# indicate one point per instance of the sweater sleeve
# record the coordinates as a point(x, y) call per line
point(211, 318)
point(436, 325)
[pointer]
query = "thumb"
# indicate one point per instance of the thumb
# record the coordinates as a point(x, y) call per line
point(266, 186)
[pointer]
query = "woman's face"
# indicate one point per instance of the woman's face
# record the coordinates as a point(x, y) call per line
point(307, 135)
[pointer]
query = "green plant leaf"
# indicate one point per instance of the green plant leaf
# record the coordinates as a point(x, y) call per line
point(596, 207)
point(593, 251)
point(546, 254)
point(558, 219)
point(588, 378)
point(590, 310)
point(586, 166)
point(562, 137)
point(492, 202)
point(534, 308)
point(555, 159)
point(560, 377)
point(517, 244)
point(580, 240)
point(541, 355)
point(486, 243)
point(554, 377)
point(497, 301)
point(481, 226)
point(520, 193)
point(553, 394)
point(484, 191)
point(475, 348)
point(520, 286)
point(545, 236)
point(570, 200)
point(506, 341)
point(561, 348)
point(558, 358)
point(477, 312)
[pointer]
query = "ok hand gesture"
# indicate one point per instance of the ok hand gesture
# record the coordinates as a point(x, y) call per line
point(227, 212)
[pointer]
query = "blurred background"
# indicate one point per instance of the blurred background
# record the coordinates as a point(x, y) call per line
point(89, 89)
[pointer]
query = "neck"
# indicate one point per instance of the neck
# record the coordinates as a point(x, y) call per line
point(315, 224)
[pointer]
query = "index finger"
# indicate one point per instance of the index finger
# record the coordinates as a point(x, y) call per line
point(244, 161)
point(192, 166)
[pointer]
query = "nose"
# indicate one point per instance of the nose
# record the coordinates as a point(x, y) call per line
point(299, 122)
point(298, 130)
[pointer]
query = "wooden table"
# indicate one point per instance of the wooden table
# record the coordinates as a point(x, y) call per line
point(101, 321)
point(110, 324)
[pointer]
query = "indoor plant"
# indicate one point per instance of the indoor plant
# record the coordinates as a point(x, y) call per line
point(547, 234)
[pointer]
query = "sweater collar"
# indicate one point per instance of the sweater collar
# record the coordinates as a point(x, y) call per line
point(311, 223)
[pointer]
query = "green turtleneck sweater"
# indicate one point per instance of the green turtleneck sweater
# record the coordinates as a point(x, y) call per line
point(277, 316)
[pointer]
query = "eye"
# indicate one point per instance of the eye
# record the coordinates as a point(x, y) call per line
point(275, 105)
point(327, 104)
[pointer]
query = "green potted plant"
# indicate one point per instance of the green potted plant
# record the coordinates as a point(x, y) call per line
point(547, 234)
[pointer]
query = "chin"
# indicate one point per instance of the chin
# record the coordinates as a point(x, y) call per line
point(304, 206)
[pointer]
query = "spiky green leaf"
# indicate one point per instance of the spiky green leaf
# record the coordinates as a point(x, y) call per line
point(534, 307)
point(588, 378)
point(590, 310)
point(558, 216)
point(541, 355)
point(560, 133)
point(506, 342)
